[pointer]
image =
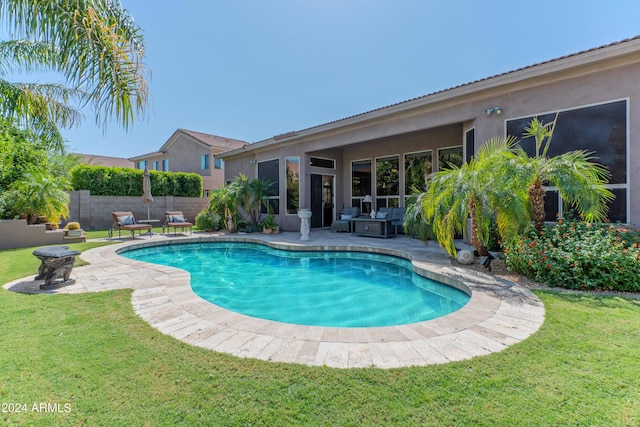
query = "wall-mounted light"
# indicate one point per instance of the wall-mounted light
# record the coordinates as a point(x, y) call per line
point(495, 110)
point(253, 161)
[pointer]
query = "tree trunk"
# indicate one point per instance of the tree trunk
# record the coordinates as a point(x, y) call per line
point(536, 195)
point(475, 239)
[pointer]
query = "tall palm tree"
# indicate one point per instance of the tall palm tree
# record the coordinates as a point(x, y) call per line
point(580, 181)
point(94, 44)
point(471, 191)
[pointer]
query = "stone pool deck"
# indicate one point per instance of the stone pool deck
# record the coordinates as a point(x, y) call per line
point(498, 315)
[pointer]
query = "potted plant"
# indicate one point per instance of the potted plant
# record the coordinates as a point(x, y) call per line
point(73, 229)
point(269, 224)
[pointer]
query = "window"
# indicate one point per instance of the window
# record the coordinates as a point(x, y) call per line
point(156, 165)
point(293, 184)
point(322, 163)
point(142, 164)
point(204, 161)
point(269, 171)
point(387, 182)
point(360, 181)
point(600, 129)
point(165, 165)
point(469, 144)
point(417, 167)
point(449, 156)
point(218, 163)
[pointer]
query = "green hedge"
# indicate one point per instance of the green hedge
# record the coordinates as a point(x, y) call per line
point(112, 181)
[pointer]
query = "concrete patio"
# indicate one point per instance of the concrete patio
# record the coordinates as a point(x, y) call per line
point(498, 315)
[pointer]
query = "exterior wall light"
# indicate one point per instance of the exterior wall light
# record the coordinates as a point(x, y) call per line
point(495, 110)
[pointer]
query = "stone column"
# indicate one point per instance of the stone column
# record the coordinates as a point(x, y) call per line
point(304, 215)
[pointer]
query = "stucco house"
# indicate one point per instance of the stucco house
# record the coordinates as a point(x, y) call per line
point(189, 151)
point(383, 152)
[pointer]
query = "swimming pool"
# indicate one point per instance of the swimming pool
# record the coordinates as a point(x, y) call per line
point(326, 288)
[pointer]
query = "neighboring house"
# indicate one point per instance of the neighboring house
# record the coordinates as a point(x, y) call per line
point(382, 153)
point(189, 151)
point(90, 159)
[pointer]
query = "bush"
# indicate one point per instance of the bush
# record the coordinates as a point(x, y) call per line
point(578, 255)
point(72, 226)
point(112, 181)
point(208, 220)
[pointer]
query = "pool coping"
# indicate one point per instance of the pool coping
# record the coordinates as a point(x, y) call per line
point(498, 315)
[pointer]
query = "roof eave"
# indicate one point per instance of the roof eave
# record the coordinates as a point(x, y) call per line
point(605, 53)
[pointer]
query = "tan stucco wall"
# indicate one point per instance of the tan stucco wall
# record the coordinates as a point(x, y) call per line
point(184, 155)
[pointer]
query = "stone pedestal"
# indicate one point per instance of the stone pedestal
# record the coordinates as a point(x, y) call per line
point(56, 261)
point(304, 215)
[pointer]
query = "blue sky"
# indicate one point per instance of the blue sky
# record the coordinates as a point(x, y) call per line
point(253, 69)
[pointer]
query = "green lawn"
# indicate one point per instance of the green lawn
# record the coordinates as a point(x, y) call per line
point(93, 353)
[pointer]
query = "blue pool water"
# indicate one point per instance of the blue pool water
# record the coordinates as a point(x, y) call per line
point(331, 288)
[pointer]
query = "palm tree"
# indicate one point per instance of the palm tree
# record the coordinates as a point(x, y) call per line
point(94, 44)
point(580, 181)
point(252, 195)
point(470, 191)
point(40, 193)
point(222, 199)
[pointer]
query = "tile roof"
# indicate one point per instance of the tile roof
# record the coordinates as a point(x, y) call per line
point(95, 160)
point(214, 140)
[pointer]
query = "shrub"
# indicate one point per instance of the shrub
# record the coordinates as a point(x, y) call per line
point(208, 220)
point(72, 226)
point(578, 255)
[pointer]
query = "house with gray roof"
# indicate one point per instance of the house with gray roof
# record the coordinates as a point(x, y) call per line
point(190, 151)
point(384, 152)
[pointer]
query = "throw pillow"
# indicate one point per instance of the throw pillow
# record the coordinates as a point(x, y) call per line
point(343, 217)
point(176, 218)
point(382, 215)
point(126, 220)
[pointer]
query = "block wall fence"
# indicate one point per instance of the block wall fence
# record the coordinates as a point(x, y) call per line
point(94, 212)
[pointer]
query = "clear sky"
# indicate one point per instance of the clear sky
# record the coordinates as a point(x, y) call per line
point(252, 69)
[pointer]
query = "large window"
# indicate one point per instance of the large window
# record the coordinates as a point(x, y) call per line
point(218, 163)
point(142, 164)
point(600, 129)
point(387, 182)
point(449, 156)
point(269, 171)
point(165, 165)
point(293, 184)
point(360, 181)
point(417, 167)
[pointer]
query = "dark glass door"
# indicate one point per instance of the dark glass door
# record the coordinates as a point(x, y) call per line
point(321, 200)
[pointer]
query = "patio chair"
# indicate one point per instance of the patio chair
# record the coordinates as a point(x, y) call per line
point(126, 221)
point(396, 215)
point(397, 219)
point(175, 219)
point(344, 223)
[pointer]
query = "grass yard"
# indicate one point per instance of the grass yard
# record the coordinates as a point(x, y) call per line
point(91, 353)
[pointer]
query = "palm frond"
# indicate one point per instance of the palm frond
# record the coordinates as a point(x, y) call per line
point(41, 107)
point(100, 49)
point(25, 56)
